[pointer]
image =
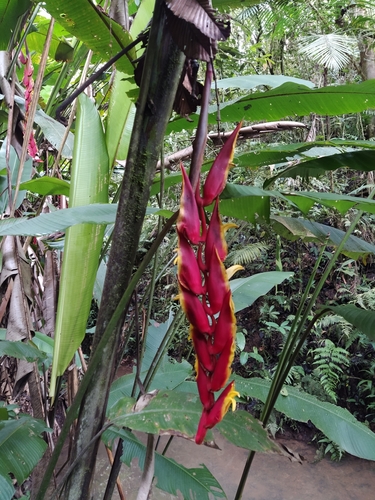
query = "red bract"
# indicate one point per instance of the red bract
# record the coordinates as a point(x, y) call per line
point(204, 290)
point(188, 222)
point(217, 176)
point(215, 415)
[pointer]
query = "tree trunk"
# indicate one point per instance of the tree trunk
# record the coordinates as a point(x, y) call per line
point(161, 74)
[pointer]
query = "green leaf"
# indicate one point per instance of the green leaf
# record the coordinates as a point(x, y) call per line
point(341, 202)
point(362, 319)
point(293, 229)
point(20, 350)
point(246, 202)
point(10, 12)
point(168, 376)
point(249, 82)
point(233, 4)
point(94, 28)
point(355, 160)
point(97, 213)
point(89, 184)
point(179, 413)
point(335, 422)
point(247, 290)
point(21, 448)
point(47, 186)
point(289, 100)
point(243, 430)
point(171, 476)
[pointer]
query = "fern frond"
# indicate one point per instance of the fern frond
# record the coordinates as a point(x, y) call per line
point(247, 254)
point(329, 360)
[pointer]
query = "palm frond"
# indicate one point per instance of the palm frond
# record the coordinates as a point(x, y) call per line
point(247, 254)
point(333, 50)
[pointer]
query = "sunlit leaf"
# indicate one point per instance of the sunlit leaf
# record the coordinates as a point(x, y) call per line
point(289, 100)
point(47, 186)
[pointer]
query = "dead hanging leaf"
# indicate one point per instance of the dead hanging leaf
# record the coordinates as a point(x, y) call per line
point(195, 27)
point(144, 400)
point(189, 90)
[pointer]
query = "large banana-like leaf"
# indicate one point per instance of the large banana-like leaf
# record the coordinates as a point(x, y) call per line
point(336, 422)
point(293, 229)
point(247, 290)
point(178, 413)
point(21, 448)
point(89, 24)
point(289, 100)
point(10, 12)
point(89, 184)
point(356, 160)
point(97, 213)
point(248, 82)
point(171, 476)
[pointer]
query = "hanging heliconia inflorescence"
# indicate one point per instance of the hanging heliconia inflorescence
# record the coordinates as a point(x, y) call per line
point(28, 82)
point(204, 291)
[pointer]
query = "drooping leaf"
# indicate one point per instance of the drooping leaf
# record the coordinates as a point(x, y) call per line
point(20, 350)
point(89, 184)
point(289, 100)
point(94, 28)
point(341, 202)
point(336, 423)
point(21, 448)
point(293, 229)
point(47, 186)
point(171, 476)
point(362, 319)
point(355, 160)
point(97, 213)
point(178, 413)
point(247, 290)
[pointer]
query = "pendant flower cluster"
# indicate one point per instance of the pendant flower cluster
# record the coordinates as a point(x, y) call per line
point(204, 291)
point(28, 82)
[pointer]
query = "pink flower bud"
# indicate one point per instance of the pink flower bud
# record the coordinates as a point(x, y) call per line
point(217, 176)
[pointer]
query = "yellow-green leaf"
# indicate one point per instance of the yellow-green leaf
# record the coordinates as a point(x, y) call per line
point(89, 184)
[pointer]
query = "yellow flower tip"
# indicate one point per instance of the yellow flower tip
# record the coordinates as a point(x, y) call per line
point(227, 226)
point(232, 270)
point(176, 297)
point(230, 400)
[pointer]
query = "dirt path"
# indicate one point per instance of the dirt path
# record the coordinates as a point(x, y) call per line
point(272, 477)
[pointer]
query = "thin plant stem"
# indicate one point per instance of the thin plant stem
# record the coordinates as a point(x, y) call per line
point(293, 345)
point(115, 470)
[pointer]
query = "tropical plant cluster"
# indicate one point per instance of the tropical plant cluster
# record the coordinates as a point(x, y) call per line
point(100, 103)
